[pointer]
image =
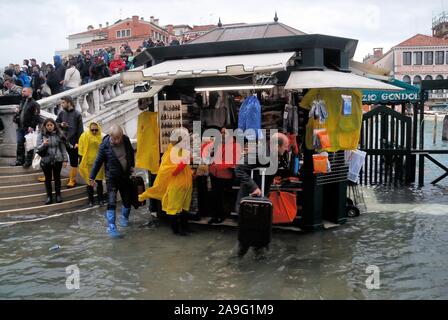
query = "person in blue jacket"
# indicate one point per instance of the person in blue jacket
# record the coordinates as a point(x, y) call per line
point(117, 155)
point(22, 76)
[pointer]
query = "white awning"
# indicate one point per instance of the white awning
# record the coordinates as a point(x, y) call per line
point(213, 66)
point(330, 79)
point(130, 95)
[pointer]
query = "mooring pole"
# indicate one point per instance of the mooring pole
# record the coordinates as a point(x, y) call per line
point(434, 130)
point(421, 162)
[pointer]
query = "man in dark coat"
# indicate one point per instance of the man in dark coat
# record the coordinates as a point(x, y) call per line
point(27, 118)
point(117, 155)
point(251, 186)
point(70, 121)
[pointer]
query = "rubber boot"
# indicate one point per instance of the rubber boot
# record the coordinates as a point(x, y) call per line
point(72, 178)
point(184, 217)
point(57, 187)
point(241, 249)
point(20, 155)
point(90, 195)
point(28, 159)
point(182, 224)
point(112, 228)
point(49, 190)
point(100, 193)
point(175, 224)
point(124, 219)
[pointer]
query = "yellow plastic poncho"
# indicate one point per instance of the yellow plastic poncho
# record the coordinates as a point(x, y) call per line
point(174, 191)
point(88, 146)
point(344, 130)
point(148, 150)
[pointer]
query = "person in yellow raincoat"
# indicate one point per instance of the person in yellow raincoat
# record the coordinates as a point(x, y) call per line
point(88, 146)
point(174, 182)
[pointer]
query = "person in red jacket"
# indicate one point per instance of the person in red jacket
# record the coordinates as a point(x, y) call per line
point(117, 65)
point(226, 156)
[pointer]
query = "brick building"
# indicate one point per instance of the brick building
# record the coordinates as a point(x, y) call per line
point(132, 31)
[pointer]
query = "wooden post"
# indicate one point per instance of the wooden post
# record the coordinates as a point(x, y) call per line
point(445, 129)
point(421, 166)
point(434, 131)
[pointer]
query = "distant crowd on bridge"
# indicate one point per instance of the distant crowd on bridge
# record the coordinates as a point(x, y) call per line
point(70, 72)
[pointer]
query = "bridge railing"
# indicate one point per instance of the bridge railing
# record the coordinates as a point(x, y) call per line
point(89, 98)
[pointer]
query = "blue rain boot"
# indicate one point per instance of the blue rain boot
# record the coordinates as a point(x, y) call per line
point(112, 229)
point(124, 219)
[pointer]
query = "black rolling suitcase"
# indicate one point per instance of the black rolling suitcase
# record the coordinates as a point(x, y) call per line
point(255, 219)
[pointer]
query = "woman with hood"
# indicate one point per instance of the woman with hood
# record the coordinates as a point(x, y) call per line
point(51, 144)
point(88, 146)
point(174, 181)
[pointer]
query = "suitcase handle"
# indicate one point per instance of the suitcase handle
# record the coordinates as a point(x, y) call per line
point(263, 176)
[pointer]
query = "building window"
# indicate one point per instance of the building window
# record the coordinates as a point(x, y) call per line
point(407, 79)
point(428, 78)
point(417, 81)
point(440, 57)
point(407, 58)
point(123, 33)
point(429, 58)
point(417, 58)
point(78, 46)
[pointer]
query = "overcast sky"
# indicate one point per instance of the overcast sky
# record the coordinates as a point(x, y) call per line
point(36, 28)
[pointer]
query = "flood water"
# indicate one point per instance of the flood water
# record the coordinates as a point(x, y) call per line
point(404, 233)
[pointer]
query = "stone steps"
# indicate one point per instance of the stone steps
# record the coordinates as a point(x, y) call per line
point(9, 171)
point(22, 196)
point(5, 161)
point(68, 204)
point(20, 179)
point(37, 199)
point(36, 187)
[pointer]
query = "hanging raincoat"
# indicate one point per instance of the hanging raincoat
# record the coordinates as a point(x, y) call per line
point(174, 191)
point(344, 130)
point(88, 146)
point(148, 150)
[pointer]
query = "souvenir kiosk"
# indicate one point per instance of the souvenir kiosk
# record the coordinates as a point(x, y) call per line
point(305, 90)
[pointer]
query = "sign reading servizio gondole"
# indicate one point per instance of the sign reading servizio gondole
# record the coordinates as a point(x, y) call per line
point(390, 97)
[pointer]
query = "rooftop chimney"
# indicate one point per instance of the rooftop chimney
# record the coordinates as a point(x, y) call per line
point(142, 18)
point(101, 26)
point(107, 24)
point(378, 52)
point(156, 21)
point(90, 27)
point(151, 19)
point(134, 19)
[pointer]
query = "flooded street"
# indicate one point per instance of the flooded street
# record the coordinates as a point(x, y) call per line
point(407, 241)
point(404, 233)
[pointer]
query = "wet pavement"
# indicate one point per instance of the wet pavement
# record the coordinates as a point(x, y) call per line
point(404, 233)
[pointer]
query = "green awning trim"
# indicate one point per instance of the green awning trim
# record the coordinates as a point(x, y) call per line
point(410, 94)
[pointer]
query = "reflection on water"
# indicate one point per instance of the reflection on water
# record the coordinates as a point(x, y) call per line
point(404, 233)
point(408, 245)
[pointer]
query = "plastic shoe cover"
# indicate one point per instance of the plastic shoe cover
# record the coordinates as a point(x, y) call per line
point(124, 219)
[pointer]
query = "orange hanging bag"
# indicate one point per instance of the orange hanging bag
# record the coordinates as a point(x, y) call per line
point(284, 206)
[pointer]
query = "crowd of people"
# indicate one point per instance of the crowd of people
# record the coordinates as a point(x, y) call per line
point(63, 142)
point(65, 73)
